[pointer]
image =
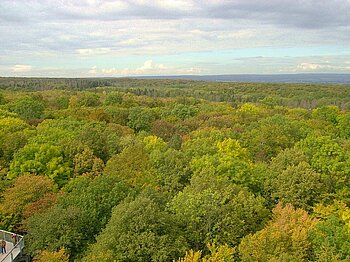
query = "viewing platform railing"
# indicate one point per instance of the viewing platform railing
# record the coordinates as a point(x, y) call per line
point(16, 247)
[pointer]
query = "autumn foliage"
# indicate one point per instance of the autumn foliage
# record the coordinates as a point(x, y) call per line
point(175, 170)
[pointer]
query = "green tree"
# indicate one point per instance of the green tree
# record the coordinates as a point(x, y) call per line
point(328, 158)
point(73, 136)
point(344, 125)
point(298, 185)
point(326, 113)
point(88, 99)
point(114, 135)
point(133, 166)
point(14, 134)
point(79, 215)
point(139, 230)
point(230, 160)
point(213, 210)
point(46, 160)
point(93, 135)
point(331, 240)
point(12, 124)
point(270, 136)
point(28, 108)
point(62, 102)
point(181, 111)
point(85, 163)
point(286, 158)
point(113, 98)
point(2, 99)
point(204, 141)
point(331, 236)
point(172, 169)
point(140, 119)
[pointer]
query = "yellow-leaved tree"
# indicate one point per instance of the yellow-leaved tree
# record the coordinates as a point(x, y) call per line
point(284, 238)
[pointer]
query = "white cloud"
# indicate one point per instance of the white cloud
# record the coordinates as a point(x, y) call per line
point(93, 70)
point(21, 68)
point(93, 51)
point(323, 66)
point(148, 68)
point(310, 66)
point(149, 65)
point(183, 5)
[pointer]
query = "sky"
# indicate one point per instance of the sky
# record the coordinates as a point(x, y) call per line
point(107, 38)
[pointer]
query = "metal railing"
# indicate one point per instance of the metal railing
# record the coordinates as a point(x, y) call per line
point(8, 237)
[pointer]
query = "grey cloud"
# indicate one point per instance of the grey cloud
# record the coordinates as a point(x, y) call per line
point(297, 13)
point(157, 27)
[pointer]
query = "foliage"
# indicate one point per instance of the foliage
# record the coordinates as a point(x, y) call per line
point(46, 256)
point(164, 129)
point(144, 169)
point(222, 253)
point(2, 99)
point(327, 157)
point(40, 205)
point(133, 166)
point(212, 209)
point(286, 158)
point(139, 231)
point(271, 135)
point(331, 240)
point(285, 238)
point(113, 98)
point(46, 160)
point(331, 236)
point(17, 198)
point(11, 124)
point(85, 163)
point(140, 119)
point(230, 160)
point(77, 219)
point(25, 190)
point(344, 125)
point(28, 108)
point(181, 111)
point(326, 113)
point(14, 134)
point(298, 185)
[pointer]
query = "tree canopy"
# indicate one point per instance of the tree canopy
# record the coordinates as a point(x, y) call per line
point(175, 170)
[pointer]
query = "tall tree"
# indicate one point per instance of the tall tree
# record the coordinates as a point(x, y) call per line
point(213, 210)
point(138, 231)
point(77, 219)
point(285, 237)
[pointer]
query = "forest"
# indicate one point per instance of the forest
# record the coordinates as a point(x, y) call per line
point(125, 169)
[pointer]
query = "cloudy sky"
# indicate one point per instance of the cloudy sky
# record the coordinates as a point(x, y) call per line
point(88, 38)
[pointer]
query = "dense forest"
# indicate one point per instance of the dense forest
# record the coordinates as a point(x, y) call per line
point(175, 170)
